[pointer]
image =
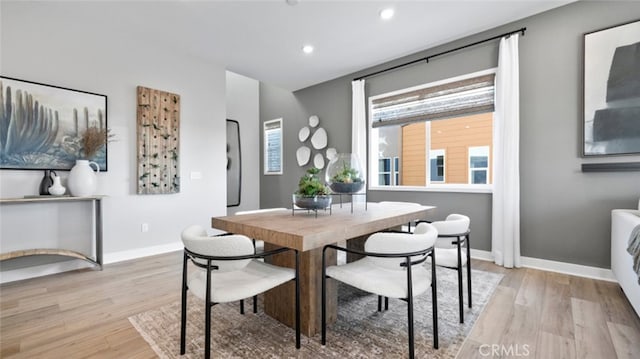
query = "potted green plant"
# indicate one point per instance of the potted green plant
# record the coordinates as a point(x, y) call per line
point(343, 174)
point(312, 193)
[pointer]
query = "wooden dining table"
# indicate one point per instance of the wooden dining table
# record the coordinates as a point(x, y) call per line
point(308, 233)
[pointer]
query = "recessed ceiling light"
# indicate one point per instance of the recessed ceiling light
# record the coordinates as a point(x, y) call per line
point(386, 14)
point(307, 49)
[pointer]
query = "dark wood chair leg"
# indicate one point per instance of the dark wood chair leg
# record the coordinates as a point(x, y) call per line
point(434, 297)
point(183, 317)
point(460, 294)
point(468, 270)
point(207, 311)
point(410, 309)
point(323, 301)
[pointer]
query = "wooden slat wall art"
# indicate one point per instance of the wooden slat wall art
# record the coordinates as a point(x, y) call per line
point(158, 141)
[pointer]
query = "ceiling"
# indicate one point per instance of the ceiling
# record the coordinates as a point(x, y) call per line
point(263, 39)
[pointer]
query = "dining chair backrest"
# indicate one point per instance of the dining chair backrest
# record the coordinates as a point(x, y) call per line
point(196, 240)
point(392, 242)
point(453, 224)
point(422, 228)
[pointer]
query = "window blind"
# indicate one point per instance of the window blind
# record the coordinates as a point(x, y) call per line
point(454, 99)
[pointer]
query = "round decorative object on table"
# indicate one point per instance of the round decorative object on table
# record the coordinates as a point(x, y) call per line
point(57, 189)
point(353, 187)
point(312, 203)
point(82, 180)
point(47, 181)
point(344, 174)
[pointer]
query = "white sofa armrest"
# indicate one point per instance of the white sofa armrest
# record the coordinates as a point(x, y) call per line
point(623, 221)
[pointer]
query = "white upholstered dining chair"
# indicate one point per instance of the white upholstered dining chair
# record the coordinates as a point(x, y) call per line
point(227, 271)
point(392, 267)
point(453, 233)
point(258, 246)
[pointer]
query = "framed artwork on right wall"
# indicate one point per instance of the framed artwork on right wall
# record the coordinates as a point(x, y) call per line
point(611, 112)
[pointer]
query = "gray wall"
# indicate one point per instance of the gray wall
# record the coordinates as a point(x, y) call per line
point(565, 214)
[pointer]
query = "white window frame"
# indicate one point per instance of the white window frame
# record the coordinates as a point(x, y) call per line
point(429, 187)
point(486, 151)
point(272, 142)
point(395, 170)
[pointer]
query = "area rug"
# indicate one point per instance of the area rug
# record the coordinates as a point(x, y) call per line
point(359, 332)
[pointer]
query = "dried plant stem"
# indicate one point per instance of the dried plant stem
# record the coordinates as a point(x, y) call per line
point(93, 139)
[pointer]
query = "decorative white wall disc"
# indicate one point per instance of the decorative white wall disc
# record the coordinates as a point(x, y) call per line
point(303, 154)
point(318, 161)
point(319, 139)
point(314, 121)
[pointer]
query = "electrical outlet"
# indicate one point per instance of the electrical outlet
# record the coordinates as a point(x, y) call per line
point(144, 227)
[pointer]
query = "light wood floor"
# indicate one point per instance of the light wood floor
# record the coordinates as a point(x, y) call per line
point(532, 314)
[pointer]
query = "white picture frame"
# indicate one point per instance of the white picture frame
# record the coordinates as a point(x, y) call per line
point(272, 131)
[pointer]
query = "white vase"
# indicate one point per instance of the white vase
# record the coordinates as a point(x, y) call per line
point(82, 180)
point(57, 189)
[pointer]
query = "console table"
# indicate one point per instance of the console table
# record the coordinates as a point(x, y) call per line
point(97, 212)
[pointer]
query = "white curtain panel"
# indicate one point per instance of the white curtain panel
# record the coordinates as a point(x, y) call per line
point(505, 238)
point(359, 127)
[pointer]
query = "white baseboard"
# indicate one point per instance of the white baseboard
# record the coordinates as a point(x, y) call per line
point(481, 255)
point(142, 252)
point(54, 268)
point(528, 262)
point(554, 266)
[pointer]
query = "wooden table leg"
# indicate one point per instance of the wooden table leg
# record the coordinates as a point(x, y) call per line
point(356, 244)
point(279, 302)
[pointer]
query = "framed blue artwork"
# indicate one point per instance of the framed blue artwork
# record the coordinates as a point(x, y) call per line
point(41, 126)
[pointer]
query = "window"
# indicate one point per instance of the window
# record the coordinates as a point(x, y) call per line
point(384, 172)
point(479, 165)
point(436, 166)
point(388, 172)
point(437, 135)
point(273, 147)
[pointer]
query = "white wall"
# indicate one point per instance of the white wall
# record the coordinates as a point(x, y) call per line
point(243, 106)
point(75, 45)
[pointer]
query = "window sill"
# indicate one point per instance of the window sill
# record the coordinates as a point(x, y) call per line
point(437, 188)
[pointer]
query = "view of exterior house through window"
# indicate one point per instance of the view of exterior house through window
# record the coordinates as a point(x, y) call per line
point(458, 151)
point(415, 147)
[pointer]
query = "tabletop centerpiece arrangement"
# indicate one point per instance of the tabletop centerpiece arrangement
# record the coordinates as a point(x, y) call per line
point(343, 174)
point(312, 194)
